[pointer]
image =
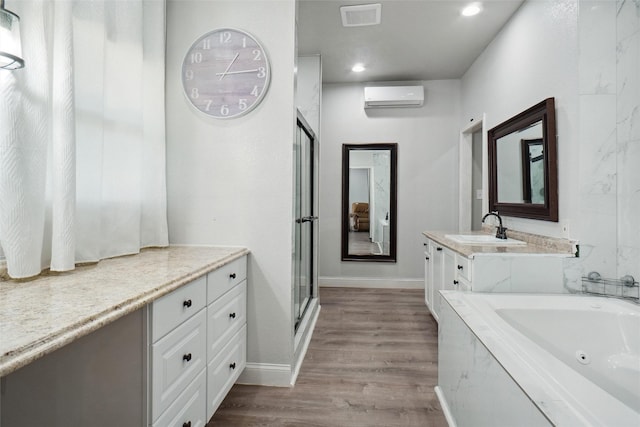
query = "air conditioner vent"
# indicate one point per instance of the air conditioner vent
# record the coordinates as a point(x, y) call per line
point(361, 15)
point(393, 96)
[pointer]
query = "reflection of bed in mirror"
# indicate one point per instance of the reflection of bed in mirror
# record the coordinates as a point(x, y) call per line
point(368, 202)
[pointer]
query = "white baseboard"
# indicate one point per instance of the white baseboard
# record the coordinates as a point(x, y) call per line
point(306, 339)
point(369, 282)
point(267, 374)
point(274, 375)
point(445, 407)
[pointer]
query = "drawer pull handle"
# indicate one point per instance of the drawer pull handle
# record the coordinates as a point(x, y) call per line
point(187, 357)
point(455, 282)
point(438, 249)
point(232, 315)
point(187, 303)
point(460, 267)
point(187, 424)
point(427, 258)
point(232, 275)
point(233, 365)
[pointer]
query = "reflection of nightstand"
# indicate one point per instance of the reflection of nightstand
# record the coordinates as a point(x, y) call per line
point(384, 223)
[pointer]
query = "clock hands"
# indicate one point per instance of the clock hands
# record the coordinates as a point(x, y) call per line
point(228, 67)
point(236, 72)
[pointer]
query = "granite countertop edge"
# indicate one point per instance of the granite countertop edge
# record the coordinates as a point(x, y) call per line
point(470, 251)
point(23, 355)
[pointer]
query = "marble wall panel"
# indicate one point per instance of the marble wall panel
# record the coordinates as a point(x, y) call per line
point(597, 57)
point(628, 137)
point(598, 183)
point(609, 68)
point(477, 389)
point(538, 274)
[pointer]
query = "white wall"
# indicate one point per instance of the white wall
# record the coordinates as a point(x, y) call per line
point(230, 182)
point(476, 181)
point(534, 57)
point(427, 140)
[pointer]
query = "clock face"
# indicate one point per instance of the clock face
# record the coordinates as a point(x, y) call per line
point(225, 73)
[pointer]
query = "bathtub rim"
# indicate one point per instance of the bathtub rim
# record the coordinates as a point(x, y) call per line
point(561, 394)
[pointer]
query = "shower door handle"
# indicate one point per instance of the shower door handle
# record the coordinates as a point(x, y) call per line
point(306, 219)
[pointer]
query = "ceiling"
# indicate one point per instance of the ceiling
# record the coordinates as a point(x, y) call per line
point(416, 40)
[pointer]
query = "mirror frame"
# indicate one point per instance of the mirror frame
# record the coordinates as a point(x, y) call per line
point(393, 225)
point(548, 211)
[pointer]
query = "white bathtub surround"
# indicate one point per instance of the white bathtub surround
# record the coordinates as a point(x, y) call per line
point(82, 172)
point(539, 357)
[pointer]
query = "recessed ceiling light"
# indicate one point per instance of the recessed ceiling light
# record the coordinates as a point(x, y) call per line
point(472, 9)
point(358, 68)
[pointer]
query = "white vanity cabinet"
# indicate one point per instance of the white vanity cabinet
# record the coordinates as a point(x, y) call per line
point(441, 273)
point(226, 330)
point(462, 280)
point(178, 353)
point(197, 346)
point(155, 339)
point(428, 275)
point(476, 269)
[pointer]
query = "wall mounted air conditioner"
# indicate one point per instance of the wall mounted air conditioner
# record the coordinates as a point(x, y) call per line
point(393, 96)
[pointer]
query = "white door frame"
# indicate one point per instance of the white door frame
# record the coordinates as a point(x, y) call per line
point(465, 164)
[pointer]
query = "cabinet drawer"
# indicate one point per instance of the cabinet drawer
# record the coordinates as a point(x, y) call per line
point(190, 408)
point(225, 278)
point(176, 360)
point(173, 309)
point(463, 265)
point(225, 317)
point(428, 248)
point(224, 370)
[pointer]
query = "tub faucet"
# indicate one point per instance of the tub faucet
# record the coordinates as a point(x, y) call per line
point(501, 232)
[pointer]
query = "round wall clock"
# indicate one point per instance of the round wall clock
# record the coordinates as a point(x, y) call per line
point(225, 73)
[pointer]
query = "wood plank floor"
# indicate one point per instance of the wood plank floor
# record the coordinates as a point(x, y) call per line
point(372, 361)
point(359, 244)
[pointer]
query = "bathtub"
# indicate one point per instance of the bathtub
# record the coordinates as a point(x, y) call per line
point(529, 360)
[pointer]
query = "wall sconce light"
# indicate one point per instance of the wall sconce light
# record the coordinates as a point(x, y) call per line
point(10, 46)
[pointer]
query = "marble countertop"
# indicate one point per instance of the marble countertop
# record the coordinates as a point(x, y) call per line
point(536, 245)
point(41, 315)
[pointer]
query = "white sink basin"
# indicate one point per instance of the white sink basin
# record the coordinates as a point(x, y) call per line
point(483, 239)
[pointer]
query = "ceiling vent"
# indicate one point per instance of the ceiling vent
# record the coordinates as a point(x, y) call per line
point(361, 15)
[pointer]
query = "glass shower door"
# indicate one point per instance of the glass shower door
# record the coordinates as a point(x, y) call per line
point(304, 219)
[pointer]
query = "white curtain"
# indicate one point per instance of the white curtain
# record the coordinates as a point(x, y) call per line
point(82, 144)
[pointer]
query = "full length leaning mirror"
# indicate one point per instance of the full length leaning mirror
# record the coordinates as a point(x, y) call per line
point(369, 202)
point(523, 176)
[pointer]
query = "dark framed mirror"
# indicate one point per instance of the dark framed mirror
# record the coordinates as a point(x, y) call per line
point(369, 202)
point(523, 171)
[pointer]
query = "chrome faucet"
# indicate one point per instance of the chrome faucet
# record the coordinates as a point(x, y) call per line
point(501, 232)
